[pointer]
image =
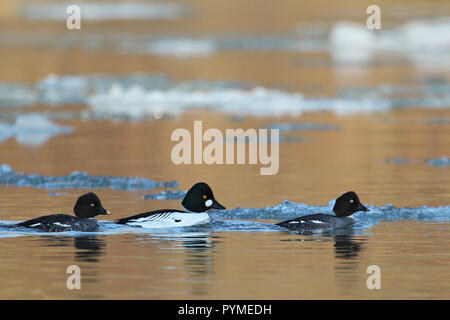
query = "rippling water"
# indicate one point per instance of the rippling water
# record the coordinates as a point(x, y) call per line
point(97, 112)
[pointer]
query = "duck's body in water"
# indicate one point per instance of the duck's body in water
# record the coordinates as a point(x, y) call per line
point(86, 208)
point(198, 200)
point(345, 206)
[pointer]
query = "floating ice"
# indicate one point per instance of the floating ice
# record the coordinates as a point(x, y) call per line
point(437, 120)
point(136, 102)
point(16, 95)
point(187, 47)
point(140, 96)
point(55, 90)
point(96, 11)
point(31, 129)
point(166, 195)
point(399, 160)
point(78, 180)
point(430, 93)
point(171, 45)
point(288, 210)
point(179, 47)
point(441, 162)
point(303, 126)
point(423, 41)
point(74, 89)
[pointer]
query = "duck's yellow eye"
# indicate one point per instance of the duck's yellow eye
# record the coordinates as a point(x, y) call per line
point(351, 200)
point(204, 197)
point(92, 204)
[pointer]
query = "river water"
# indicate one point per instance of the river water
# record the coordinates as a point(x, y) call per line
point(354, 112)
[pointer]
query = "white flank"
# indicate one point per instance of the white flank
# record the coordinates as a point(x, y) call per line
point(171, 220)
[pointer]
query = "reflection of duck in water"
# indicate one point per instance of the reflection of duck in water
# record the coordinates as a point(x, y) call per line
point(347, 264)
point(345, 244)
point(90, 248)
point(346, 247)
point(199, 261)
point(87, 248)
point(198, 249)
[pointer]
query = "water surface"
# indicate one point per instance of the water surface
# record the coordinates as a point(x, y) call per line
point(110, 95)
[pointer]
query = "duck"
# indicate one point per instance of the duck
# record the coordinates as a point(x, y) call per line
point(198, 200)
point(345, 206)
point(86, 208)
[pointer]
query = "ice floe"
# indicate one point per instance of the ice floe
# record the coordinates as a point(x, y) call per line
point(78, 180)
point(303, 126)
point(289, 209)
point(31, 129)
point(166, 195)
point(137, 102)
point(423, 42)
point(98, 11)
point(440, 162)
point(138, 96)
point(426, 42)
point(13, 95)
point(177, 47)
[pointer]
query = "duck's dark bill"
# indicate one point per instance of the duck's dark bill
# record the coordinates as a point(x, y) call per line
point(217, 205)
point(105, 212)
point(362, 208)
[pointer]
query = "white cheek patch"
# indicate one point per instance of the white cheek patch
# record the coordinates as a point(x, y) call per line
point(208, 203)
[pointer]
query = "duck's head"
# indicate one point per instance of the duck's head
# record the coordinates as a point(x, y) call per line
point(88, 206)
point(348, 204)
point(200, 198)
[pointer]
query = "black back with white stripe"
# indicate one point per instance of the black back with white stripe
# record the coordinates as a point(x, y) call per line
point(199, 198)
point(158, 215)
point(60, 223)
point(86, 207)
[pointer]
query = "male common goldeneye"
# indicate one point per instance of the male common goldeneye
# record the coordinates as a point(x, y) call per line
point(197, 201)
point(86, 208)
point(345, 206)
